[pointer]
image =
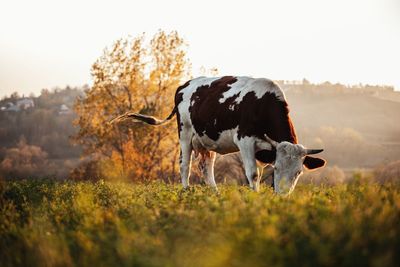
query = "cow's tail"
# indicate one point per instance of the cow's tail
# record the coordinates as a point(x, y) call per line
point(144, 118)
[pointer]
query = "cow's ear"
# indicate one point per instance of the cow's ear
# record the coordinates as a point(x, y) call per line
point(266, 156)
point(313, 163)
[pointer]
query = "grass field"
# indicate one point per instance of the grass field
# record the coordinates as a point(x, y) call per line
point(45, 223)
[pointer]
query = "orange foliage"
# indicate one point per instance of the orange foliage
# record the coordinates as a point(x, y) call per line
point(134, 76)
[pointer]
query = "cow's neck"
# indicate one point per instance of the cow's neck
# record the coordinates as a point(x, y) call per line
point(282, 129)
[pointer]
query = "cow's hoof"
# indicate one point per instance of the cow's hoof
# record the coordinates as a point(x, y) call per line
point(256, 188)
point(214, 189)
point(185, 189)
point(188, 189)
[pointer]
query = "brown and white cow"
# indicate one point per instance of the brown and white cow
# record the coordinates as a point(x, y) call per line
point(230, 114)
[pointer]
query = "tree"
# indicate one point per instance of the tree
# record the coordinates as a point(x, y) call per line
point(134, 75)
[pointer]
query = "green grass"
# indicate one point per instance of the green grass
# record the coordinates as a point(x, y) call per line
point(45, 223)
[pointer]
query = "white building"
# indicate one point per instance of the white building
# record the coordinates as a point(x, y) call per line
point(21, 104)
point(64, 110)
point(25, 103)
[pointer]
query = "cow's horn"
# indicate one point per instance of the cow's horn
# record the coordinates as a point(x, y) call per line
point(313, 151)
point(269, 140)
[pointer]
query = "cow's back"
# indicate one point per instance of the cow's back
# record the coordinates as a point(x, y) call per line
point(247, 106)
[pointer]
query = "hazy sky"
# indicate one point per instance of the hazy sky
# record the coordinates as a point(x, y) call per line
point(47, 43)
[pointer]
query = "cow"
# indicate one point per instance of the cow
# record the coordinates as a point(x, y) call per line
point(237, 114)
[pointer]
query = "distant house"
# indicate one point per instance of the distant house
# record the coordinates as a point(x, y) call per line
point(64, 110)
point(21, 104)
point(25, 103)
point(10, 106)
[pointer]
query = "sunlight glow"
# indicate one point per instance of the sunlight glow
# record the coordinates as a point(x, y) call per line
point(53, 43)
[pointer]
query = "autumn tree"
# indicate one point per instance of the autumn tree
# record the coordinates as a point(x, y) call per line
point(141, 76)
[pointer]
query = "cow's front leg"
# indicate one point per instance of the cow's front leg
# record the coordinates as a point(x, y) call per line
point(247, 151)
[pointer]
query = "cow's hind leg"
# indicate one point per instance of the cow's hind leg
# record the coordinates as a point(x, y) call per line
point(247, 151)
point(185, 158)
point(207, 167)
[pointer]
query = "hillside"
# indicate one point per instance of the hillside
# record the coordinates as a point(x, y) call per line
point(374, 118)
point(357, 127)
point(35, 134)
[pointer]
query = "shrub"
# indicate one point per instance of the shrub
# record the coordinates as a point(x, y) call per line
point(24, 161)
point(324, 176)
point(388, 172)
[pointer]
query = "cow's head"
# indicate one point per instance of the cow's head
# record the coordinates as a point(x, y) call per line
point(289, 162)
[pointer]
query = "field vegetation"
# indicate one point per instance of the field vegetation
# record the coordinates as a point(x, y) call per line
point(48, 223)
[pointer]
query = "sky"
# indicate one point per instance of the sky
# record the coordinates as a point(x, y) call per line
point(49, 43)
